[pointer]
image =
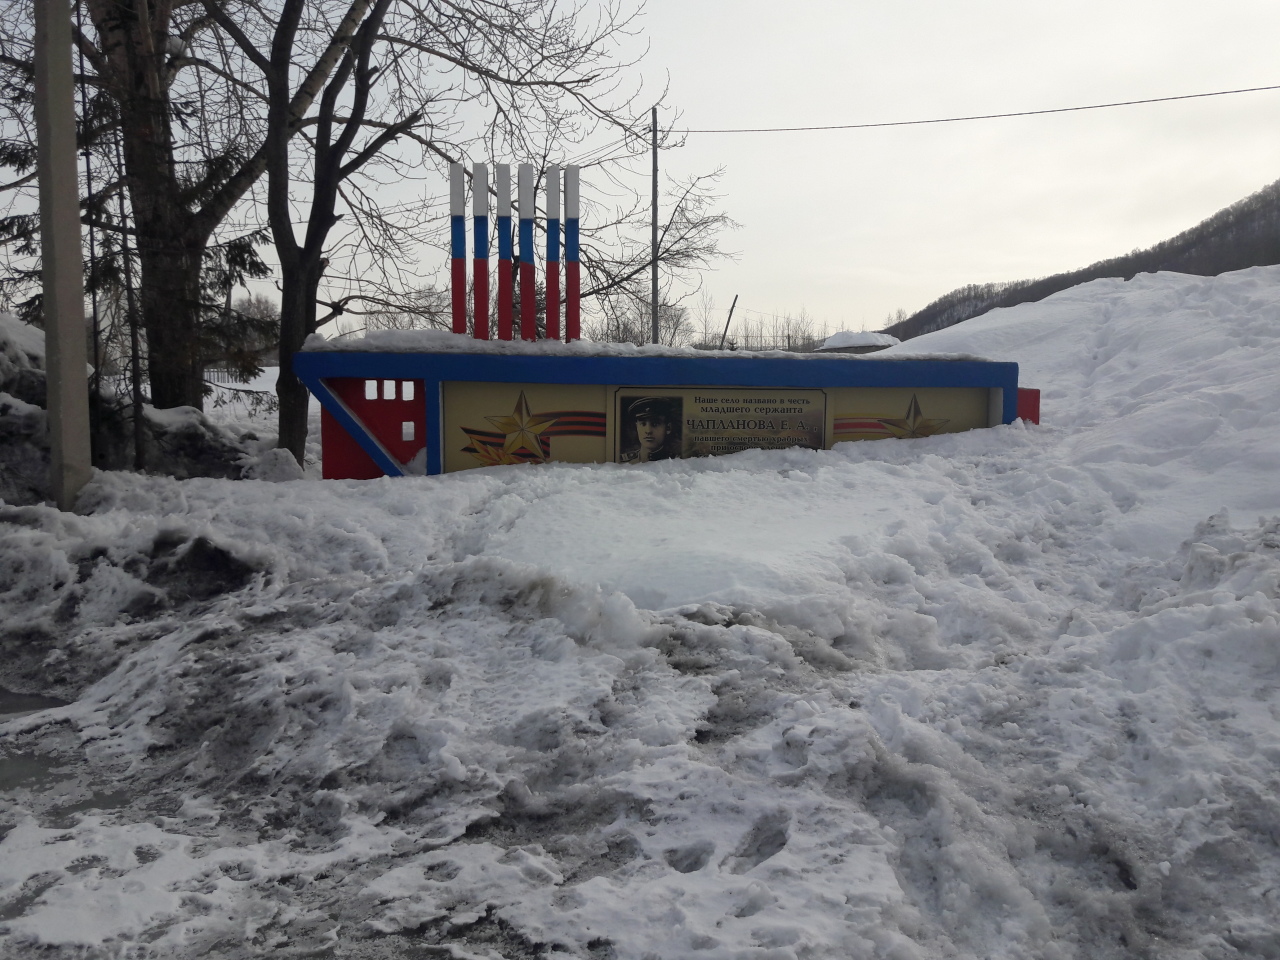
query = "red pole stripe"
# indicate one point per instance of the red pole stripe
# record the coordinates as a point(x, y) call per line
point(572, 314)
point(528, 303)
point(553, 300)
point(458, 278)
point(506, 297)
point(481, 297)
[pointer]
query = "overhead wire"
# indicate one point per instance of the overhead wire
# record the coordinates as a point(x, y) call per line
point(985, 116)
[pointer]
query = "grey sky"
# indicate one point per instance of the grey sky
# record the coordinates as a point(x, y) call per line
point(854, 224)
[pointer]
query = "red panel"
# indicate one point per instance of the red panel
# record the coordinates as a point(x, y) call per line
point(344, 458)
point(1029, 404)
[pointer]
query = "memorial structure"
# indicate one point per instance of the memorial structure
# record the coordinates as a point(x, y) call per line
point(427, 402)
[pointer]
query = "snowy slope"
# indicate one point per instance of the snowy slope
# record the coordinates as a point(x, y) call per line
point(1013, 693)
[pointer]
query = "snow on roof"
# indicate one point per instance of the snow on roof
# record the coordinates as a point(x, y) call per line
point(443, 341)
point(858, 338)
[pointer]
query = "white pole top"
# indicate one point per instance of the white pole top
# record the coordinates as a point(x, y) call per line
point(480, 190)
point(526, 191)
point(457, 191)
point(553, 193)
point(571, 192)
point(502, 180)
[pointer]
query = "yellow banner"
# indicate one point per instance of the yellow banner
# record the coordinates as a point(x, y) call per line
point(487, 424)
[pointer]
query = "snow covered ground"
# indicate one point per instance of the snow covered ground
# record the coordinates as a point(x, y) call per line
point(1006, 694)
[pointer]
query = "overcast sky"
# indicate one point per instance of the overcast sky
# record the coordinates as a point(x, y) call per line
point(851, 225)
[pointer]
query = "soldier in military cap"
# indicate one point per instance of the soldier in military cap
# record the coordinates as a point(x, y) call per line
point(653, 430)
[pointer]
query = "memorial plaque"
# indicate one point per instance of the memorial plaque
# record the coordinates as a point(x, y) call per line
point(667, 423)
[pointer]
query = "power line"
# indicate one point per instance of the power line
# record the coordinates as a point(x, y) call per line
point(988, 116)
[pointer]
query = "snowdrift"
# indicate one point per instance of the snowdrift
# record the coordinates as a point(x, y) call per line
point(1011, 693)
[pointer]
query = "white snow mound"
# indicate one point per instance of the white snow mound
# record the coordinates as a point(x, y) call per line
point(1005, 694)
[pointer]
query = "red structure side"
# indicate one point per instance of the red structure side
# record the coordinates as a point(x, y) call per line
point(395, 414)
point(1029, 405)
point(343, 458)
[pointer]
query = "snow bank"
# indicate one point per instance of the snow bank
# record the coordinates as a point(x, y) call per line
point(858, 338)
point(1163, 387)
point(1006, 694)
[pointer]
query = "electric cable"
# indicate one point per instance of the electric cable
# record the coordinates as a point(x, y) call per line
point(986, 116)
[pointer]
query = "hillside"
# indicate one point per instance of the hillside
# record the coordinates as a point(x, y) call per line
point(1245, 234)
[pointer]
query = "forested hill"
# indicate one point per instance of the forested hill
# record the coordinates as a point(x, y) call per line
point(1245, 234)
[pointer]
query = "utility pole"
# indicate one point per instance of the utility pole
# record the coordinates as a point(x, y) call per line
point(653, 234)
point(729, 321)
point(65, 355)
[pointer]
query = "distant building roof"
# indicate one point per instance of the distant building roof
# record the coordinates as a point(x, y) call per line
point(846, 339)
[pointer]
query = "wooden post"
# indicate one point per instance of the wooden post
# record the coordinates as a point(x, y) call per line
point(729, 321)
point(65, 356)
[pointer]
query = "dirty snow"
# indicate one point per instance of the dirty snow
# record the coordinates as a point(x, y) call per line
point(1006, 694)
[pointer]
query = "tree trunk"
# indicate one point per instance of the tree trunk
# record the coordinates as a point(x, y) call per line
point(169, 241)
point(170, 306)
point(299, 285)
point(294, 400)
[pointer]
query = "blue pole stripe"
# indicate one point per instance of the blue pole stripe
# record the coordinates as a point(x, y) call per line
point(553, 241)
point(504, 238)
point(571, 240)
point(526, 240)
point(482, 237)
point(459, 237)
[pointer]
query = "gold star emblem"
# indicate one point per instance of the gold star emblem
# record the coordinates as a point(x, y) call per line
point(914, 424)
point(489, 454)
point(522, 429)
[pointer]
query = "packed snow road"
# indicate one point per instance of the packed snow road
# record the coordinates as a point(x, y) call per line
point(1012, 693)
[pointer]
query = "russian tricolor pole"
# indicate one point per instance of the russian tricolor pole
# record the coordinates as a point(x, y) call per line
point(502, 176)
point(458, 245)
point(572, 276)
point(553, 253)
point(528, 287)
point(480, 221)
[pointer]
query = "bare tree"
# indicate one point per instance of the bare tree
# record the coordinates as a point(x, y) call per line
point(542, 72)
point(796, 333)
point(628, 321)
point(191, 139)
point(616, 253)
point(335, 100)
